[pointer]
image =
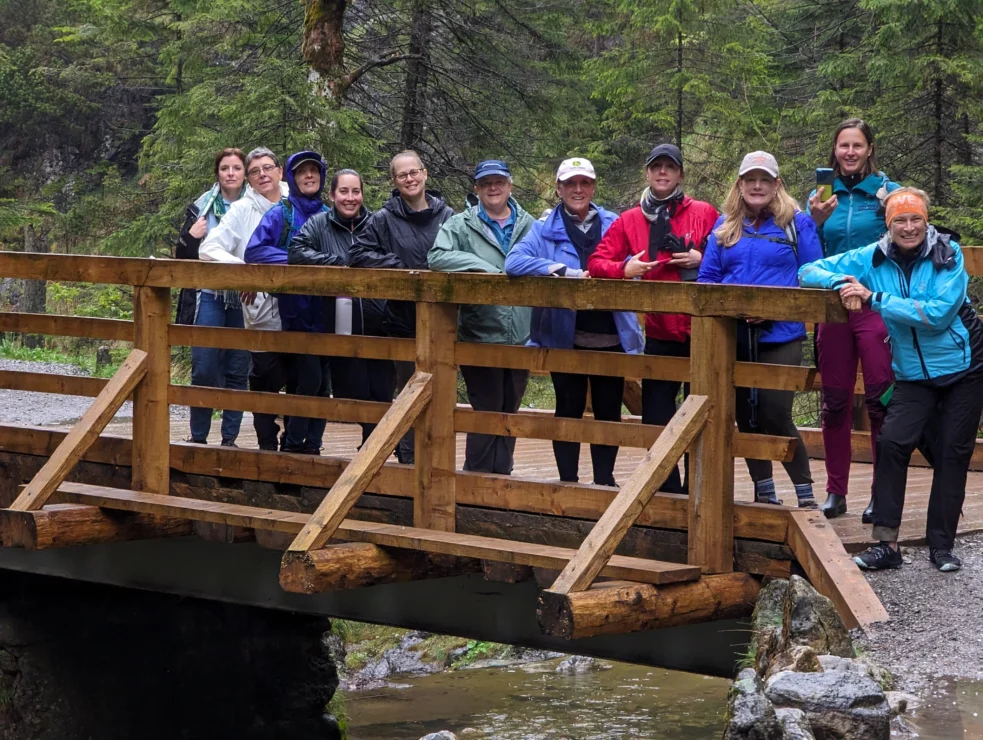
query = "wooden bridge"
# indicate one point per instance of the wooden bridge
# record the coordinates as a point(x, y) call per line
point(630, 573)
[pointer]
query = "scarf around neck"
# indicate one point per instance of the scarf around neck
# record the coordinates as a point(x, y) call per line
point(651, 205)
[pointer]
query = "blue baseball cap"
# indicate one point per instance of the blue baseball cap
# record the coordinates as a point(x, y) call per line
point(491, 167)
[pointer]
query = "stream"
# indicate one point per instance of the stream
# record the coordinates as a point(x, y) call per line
point(533, 702)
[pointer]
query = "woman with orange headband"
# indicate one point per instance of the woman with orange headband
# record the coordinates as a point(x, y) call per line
point(915, 279)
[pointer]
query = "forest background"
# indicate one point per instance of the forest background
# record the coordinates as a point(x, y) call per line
point(111, 110)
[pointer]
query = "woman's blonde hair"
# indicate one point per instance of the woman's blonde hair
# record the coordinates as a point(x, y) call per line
point(783, 209)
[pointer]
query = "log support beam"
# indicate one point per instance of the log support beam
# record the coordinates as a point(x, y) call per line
point(71, 525)
point(618, 607)
point(359, 564)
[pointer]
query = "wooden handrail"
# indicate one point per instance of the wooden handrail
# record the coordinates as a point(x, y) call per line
point(695, 299)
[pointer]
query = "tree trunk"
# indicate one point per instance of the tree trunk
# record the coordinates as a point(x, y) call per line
point(937, 196)
point(679, 84)
point(35, 291)
point(417, 69)
point(324, 40)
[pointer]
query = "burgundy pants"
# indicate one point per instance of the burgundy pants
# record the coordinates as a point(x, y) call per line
point(864, 339)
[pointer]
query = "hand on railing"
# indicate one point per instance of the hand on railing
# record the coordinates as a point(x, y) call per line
point(854, 294)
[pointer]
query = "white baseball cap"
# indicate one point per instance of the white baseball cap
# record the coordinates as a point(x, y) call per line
point(759, 161)
point(576, 166)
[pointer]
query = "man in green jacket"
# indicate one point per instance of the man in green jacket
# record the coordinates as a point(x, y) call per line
point(478, 240)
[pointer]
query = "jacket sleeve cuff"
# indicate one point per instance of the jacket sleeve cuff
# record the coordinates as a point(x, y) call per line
point(877, 301)
point(557, 268)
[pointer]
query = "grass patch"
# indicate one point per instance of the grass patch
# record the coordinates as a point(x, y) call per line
point(480, 650)
point(437, 649)
point(365, 642)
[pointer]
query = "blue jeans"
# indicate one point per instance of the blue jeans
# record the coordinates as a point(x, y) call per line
point(217, 368)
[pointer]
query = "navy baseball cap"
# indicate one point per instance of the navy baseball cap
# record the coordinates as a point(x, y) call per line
point(491, 167)
point(665, 150)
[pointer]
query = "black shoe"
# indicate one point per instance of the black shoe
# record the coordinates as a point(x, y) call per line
point(270, 447)
point(868, 516)
point(833, 506)
point(229, 443)
point(944, 560)
point(192, 440)
point(879, 557)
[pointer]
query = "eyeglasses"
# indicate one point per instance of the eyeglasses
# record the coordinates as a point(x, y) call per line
point(265, 169)
point(404, 176)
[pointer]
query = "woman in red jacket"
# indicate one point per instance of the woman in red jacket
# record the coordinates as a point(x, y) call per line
point(662, 238)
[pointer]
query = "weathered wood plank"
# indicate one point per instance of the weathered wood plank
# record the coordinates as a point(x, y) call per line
point(326, 519)
point(581, 500)
point(788, 304)
point(329, 345)
point(390, 535)
point(543, 360)
point(71, 525)
point(333, 409)
point(67, 385)
point(615, 608)
point(832, 571)
point(634, 495)
point(436, 443)
point(711, 479)
point(534, 425)
point(151, 413)
point(66, 326)
point(84, 433)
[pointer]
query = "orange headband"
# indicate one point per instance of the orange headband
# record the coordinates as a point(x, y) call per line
point(906, 203)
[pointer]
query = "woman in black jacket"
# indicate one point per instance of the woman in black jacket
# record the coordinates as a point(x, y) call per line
point(326, 239)
point(399, 236)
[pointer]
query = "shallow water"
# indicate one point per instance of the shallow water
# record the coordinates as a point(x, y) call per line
point(954, 710)
point(533, 702)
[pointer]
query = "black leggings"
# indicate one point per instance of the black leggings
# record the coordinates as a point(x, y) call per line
point(606, 394)
point(772, 414)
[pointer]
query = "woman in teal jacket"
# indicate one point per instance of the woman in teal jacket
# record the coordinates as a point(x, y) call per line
point(915, 280)
point(853, 217)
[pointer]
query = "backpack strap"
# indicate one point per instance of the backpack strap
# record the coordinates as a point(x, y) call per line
point(791, 238)
point(287, 209)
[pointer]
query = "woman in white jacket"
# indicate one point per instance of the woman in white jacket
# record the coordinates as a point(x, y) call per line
point(227, 243)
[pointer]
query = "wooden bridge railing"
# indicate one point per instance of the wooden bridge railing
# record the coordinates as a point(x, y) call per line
point(704, 425)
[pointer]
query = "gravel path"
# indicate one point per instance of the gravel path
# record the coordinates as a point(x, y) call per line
point(936, 627)
point(45, 409)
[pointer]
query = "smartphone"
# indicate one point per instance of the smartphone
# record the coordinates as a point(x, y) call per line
point(824, 182)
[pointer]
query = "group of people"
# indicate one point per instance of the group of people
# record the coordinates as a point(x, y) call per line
point(911, 328)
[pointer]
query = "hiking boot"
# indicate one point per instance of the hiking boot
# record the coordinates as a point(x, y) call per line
point(192, 440)
point(834, 505)
point(807, 502)
point(868, 516)
point(229, 443)
point(879, 557)
point(944, 560)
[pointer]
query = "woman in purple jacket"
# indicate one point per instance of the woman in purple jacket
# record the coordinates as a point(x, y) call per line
point(763, 239)
point(309, 373)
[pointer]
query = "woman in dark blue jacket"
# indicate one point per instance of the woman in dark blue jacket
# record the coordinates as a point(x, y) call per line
point(310, 374)
point(762, 239)
point(560, 246)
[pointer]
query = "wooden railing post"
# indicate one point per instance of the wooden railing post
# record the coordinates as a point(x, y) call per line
point(151, 418)
point(436, 447)
point(711, 479)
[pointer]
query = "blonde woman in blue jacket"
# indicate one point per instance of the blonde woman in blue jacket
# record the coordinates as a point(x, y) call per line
point(915, 279)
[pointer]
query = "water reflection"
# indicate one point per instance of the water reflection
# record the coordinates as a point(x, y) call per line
point(533, 702)
point(953, 709)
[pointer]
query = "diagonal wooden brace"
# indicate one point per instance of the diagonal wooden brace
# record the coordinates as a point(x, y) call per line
point(604, 538)
point(83, 434)
point(365, 464)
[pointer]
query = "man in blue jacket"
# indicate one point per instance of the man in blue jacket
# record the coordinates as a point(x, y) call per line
point(310, 373)
point(915, 279)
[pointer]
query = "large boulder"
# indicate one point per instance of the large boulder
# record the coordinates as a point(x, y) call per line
point(800, 658)
point(839, 705)
point(751, 716)
point(795, 724)
point(766, 624)
point(811, 619)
